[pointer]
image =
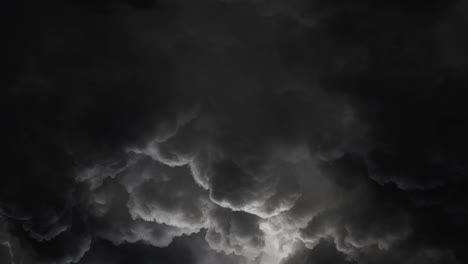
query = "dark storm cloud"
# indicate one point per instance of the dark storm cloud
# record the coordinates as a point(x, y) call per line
point(234, 131)
point(236, 232)
point(63, 109)
point(323, 253)
point(103, 252)
point(370, 216)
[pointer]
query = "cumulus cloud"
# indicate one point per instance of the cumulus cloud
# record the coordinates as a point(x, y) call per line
point(368, 216)
point(167, 195)
point(240, 131)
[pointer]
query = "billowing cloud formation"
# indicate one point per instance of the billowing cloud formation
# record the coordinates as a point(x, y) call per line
point(369, 217)
point(234, 131)
point(235, 233)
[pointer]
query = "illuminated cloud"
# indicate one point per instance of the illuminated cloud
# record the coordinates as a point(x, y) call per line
point(234, 131)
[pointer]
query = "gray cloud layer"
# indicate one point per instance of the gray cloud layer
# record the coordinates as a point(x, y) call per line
point(240, 131)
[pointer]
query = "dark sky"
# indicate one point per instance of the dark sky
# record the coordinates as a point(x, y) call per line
point(234, 132)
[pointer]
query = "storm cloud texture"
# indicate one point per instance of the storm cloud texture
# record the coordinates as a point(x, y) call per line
point(234, 132)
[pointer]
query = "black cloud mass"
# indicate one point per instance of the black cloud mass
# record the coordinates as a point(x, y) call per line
point(234, 132)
